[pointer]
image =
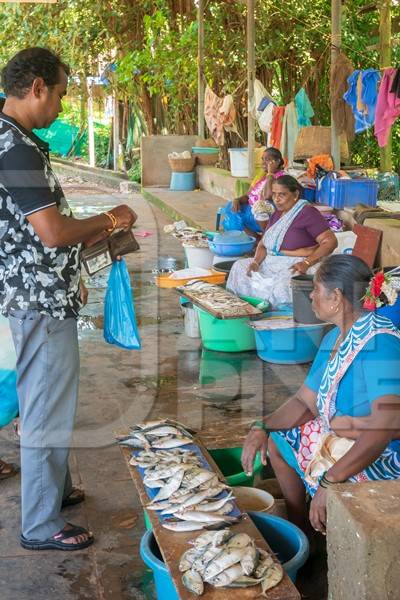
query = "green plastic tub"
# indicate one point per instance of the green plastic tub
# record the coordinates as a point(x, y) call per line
point(147, 522)
point(228, 460)
point(228, 335)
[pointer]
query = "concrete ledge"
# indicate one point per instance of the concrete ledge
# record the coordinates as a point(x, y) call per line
point(198, 208)
point(363, 534)
point(221, 183)
point(92, 174)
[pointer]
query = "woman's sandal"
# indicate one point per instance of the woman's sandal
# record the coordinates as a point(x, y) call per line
point(75, 497)
point(56, 542)
point(7, 470)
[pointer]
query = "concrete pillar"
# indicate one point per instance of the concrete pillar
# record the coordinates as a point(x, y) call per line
point(363, 538)
point(336, 42)
point(200, 68)
point(251, 72)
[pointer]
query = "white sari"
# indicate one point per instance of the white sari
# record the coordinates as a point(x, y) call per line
point(272, 281)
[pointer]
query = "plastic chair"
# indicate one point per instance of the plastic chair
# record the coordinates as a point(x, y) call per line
point(220, 212)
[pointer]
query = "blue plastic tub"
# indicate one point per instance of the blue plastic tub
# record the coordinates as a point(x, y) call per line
point(309, 194)
point(151, 556)
point(288, 542)
point(183, 182)
point(289, 346)
point(339, 193)
point(231, 249)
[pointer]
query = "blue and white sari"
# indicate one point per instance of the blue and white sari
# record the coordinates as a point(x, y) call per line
point(310, 445)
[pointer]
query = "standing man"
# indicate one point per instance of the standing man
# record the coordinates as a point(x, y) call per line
point(41, 293)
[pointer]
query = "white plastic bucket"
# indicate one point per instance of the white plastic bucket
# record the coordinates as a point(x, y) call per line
point(199, 257)
point(191, 321)
point(254, 499)
point(239, 162)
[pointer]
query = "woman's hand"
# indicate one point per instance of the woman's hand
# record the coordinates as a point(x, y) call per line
point(252, 268)
point(318, 510)
point(256, 441)
point(301, 268)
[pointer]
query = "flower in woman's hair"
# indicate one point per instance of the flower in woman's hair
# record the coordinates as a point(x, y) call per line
point(376, 283)
point(369, 304)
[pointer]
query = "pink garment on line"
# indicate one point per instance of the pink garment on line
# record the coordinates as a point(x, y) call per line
point(387, 107)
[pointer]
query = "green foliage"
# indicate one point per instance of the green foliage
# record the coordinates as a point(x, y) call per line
point(154, 43)
point(134, 172)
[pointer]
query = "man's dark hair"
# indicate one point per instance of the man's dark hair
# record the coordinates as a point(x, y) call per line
point(19, 73)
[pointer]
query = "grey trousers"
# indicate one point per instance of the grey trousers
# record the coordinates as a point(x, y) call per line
point(47, 383)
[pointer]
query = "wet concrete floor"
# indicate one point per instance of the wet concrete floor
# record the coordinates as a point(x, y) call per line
point(172, 376)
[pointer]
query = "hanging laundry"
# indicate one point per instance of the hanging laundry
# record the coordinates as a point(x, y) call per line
point(276, 127)
point(265, 118)
point(363, 104)
point(290, 131)
point(259, 94)
point(395, 89)
point(219, 113)
point(387, 108)
point(341, 111)
point(304, 109)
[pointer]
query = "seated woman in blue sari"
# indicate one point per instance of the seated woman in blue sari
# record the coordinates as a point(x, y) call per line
point(343, 424)
point(242, 213)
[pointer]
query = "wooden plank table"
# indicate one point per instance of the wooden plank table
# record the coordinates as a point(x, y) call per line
point(248, 309)
point(172, 545)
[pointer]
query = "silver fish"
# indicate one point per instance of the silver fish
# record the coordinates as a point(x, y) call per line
point(153, 483)
point(273, 576)
point(212, 506)
point(175, 442)
point(226, 577)
point(244, 581)
point(204, 517)
point(187, 559)
point(165, 473)
point(163, 505)
point(193, 582)
point(239, 540)
point(249, 560)
point(265, 562)
point(210, 552)
point(171, 487)
point(179, 526)
point(227, 558)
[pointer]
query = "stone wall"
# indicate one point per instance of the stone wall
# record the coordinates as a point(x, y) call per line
point(154, 154)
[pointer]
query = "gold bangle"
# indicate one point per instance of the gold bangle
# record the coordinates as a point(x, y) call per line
point(307, 262)
point(113, 222)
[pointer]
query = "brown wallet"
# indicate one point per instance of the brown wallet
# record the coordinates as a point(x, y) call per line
point(104, 253)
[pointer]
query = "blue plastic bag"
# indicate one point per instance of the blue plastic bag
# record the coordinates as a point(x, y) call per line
point(8, 375)
point(120, 326)
point(8, 397)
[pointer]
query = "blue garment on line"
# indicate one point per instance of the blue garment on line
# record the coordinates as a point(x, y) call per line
point(304, 109)
point(369, 96)
point(237, 221)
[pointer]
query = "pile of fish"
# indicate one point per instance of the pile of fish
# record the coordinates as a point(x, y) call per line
point(159, 435)
point(186, 491)
point(224, 559)
point(217, 299)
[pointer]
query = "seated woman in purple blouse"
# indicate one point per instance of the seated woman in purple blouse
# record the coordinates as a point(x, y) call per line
point(296, 239)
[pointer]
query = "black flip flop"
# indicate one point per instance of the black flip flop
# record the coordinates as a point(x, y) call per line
point(75, 497)
point(56, 542)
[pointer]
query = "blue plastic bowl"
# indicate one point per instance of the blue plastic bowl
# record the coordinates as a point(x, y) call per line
point(285, 539)
point(289, 346)
point(288, 542)
point(151, 556)
point(231, 249)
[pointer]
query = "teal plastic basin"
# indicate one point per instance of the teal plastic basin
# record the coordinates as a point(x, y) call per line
point(225, 335)
point(228, 460)
point(288, 542)
point(296, 345)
